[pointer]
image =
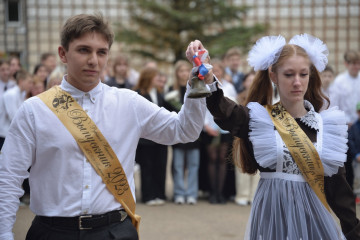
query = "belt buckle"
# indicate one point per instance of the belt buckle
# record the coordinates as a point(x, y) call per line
point(80, 222)
point(123, 215)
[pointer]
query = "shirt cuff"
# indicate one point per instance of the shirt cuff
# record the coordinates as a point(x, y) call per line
point(213, 87)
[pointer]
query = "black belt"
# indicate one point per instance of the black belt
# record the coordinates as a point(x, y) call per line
point(85, 222)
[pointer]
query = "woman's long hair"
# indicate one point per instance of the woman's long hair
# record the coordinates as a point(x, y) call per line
point(261, 91)
point(145, 82)
point(179, 64)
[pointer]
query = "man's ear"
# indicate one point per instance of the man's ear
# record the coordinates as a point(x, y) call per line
point(61, 52)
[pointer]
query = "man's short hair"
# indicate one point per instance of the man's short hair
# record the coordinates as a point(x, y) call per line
point(3, 61)
point(234, 51)
point(351, 56)
point(21, 75)
point(45, 56)
point(328, 68)
point(76, 26)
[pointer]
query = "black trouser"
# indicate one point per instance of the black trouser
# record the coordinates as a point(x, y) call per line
point(152, 160)
point(2, 140)
point(120, 231)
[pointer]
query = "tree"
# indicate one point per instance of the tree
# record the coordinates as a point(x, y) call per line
point(162, 29)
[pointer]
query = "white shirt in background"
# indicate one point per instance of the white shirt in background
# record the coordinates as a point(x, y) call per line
point(10, 102)
point(345, 93)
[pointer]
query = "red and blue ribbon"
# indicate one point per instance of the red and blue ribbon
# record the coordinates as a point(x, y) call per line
point(202, 71)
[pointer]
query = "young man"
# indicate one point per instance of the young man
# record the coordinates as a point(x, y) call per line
point(68, 196)
point(11, 101)
point(49, 61)
point(5, 77)
point(344, 93)
point(233, 61)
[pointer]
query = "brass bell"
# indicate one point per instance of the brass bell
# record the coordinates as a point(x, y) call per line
point(198, 88)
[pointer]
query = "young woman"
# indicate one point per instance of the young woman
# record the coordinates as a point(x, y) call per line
point(299, 152)
point(218, 145)
point(185, 156)
point(151, 156)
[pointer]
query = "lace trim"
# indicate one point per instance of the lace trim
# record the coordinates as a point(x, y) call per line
point(288, 163)
point(310, 119)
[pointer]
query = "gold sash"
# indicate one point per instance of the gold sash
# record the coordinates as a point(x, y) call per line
point(94, 145)
point(301, 148)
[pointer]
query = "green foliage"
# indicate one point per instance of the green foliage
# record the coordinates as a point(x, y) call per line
point(162, 29)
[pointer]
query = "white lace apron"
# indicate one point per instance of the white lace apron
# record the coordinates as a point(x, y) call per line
point(285, 207)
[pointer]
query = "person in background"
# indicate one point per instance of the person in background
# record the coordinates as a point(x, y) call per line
point(11, 101)
point(186, 157)
point(49, 61)
point(5, 79)
point(354, 152)
point(37, 87)
point(246, 184)
point(15, 65)
point(162, 85)
point(120, 71)
point(289, 202)
point(233, 60)
point(151, 156)
point(327, 78)
point(54, 78)
point(219, 144)
point(344, 93)
point(41, 73)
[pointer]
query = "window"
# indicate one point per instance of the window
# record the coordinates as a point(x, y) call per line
point(13, 11)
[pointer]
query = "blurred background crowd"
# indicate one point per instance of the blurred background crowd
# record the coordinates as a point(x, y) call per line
point(148, 57)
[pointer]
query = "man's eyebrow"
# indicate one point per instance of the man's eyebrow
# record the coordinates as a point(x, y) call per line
point(87, 46)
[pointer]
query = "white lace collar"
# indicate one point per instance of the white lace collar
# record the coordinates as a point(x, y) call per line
point(310, 119)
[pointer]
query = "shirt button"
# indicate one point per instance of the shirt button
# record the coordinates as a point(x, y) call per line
point(87, 186)
point(93, 99)
point(86, 94)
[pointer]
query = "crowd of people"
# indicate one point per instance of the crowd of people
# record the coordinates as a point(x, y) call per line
point(203, 167)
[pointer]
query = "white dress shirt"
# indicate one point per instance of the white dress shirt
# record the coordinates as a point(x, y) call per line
point(6, 85)
point(345, 93)
point(62, 181)
point(10, 102)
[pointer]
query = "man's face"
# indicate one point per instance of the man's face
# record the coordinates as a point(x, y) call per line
point(26, 84)
point(86, 58)
point(353, 68)
point(50, 63)
point(5, 72)
point(234, 62)
point(14, 66)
